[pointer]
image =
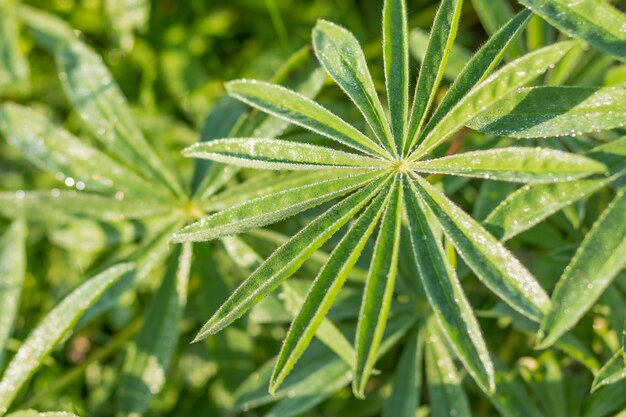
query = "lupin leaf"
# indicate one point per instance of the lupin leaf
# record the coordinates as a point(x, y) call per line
point(612, 371)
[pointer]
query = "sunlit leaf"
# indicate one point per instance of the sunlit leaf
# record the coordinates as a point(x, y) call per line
point(612, 371)
point(125, 17)
point(13, 65)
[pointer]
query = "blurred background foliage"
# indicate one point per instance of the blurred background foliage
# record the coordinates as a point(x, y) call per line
point(171, 59)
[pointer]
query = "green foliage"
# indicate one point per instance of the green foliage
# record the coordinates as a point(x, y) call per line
point(330, 204)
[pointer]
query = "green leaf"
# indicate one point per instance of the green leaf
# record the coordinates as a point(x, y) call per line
point(489, 91)
point(554, 111)
point(302, 111)
point(459, 55)
point(277, 154)
point(342, 57)
point(96, 97)
point(493, 14)
point(33, 413)
point(13, 64)
point(287, 259)
point(272, 207)
point(494, 265)
point(407, 382)
point(478, 67)
point(442, 35)
point(12, 271)
point(326, 287)
point(396, 60)
point(612, 371)
point(446, 393)
point(597, 261)
point(378, 291)
point(597, 22)
point(51, 331)
point(450, 305)
point(148, 356)
point(515, 164)
point(126, 16)
point(60, 206)
point(56, 150)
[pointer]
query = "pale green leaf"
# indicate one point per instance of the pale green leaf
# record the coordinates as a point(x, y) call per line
point(13, 64)
point(96, 97)
point(459, 55)
point(492, 89)
point(148, 356)
point(51, 331)
point(342, 57)
point(12, 271)
point(58, 151)
point(494, 265)
point(396, 60)
point(378, 291)
point(325, 288)
point(126, 17)
point(515, 164)
point(298, 109)
point(33, 413)
point(554, 111)
point(612, 371)
point(595, 21)
point(407, 382)
point(445, 389)
point(272, 207)
point(442, 35)
point(478, 67)
point(287, 259)
point(597, 261)
point(443, 289)
point(275, 154)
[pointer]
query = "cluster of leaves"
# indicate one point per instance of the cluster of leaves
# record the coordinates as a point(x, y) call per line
point(373, 196)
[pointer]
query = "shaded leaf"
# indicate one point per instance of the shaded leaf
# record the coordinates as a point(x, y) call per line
point(612, 371)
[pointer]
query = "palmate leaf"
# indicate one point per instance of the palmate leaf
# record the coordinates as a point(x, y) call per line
point(302, 111)
point(342, 57)
point(443, 289)
point(554, 111)
point(147, 358)
point(459, 55)
point(597, 22)
point(97, 98)
point(442, 35)
point(288, 258)
point(596, 262)
point(325, 288)
point(494, 265)
point(492, 89)
point(278, 155)
point(378, 291)
point(12, 271)
point(56, 150)
point(272, 207)
point(396, 60)
point(533, 165)
point(51, 330)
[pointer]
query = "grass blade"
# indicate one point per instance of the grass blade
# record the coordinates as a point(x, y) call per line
point(554, 111)
point(302, 111)
point(450, 305)
point(271, 208)
point(51, 331)
point(277, 154)
point(396, 60)
point(56, 150)
point(596, 22)
point(496, 267)
point(488, 92)
point(148, 356)
point(287, 259)
point(12, 271)
point(378, 291)
point(442, 35)
point(597, 261)
point(325, 288)
point(342, 57)
point(479, 66)
point(515, 164)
